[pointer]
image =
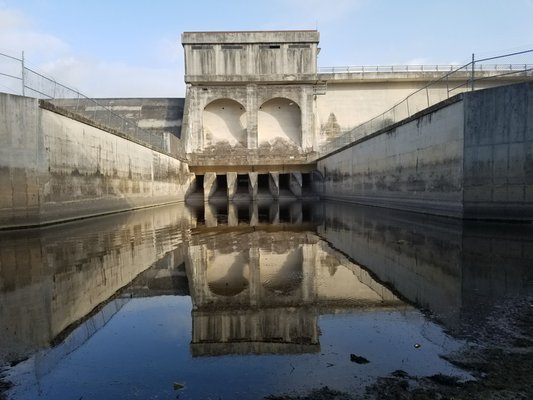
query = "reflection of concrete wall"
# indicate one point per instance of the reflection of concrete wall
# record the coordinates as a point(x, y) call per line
point(440, 264)
point(60, 168)
point(51, 278)
point(254, 331)
point(422, 261)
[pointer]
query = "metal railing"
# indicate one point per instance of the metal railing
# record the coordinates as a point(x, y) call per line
point(418, 68)
point(16, 78)
point(460, 79)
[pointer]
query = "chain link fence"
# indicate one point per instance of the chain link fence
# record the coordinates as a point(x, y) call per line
point(458, 79)
point(16, 78)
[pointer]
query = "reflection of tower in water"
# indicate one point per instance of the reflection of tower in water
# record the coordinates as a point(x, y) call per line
point(257, 291)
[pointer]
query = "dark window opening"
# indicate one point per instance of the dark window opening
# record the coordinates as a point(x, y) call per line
point(231, 47)
point(243, 213)
point(284, 214)
point(263, 215)
point(199, 183)
point(200, 214)
point(307, 183)
point(262, 182)
point(284, 182)
point(222, 214)
point(202, 47)
point(222, 183)
point(306, 213)
point(269, 46)
point(242, 183)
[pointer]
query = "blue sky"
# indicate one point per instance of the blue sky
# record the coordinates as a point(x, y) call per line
point(131, 48)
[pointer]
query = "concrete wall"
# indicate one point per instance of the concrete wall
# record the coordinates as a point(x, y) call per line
point(415, 166)
point(350, 101)
point(279, 119)
point(54, 168)
point(470, 156)
point(498, 152)
point(250, 56)
point(224, 120)
point(278, 126)
point(153, 115)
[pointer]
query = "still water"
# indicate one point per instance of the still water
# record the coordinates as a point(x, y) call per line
point(244, 301)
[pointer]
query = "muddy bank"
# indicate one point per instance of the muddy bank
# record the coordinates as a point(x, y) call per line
point(499, 356)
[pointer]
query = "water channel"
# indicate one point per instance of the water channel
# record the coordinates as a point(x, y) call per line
point(243, 301)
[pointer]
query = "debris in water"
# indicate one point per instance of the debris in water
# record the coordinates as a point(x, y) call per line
point(358, 359)
point(178, 386)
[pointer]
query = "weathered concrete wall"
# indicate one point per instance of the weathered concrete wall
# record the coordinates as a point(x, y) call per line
point(53, 168)
point(153, 115)
point(415, 166)
point(470, 156)
point(498, 152)
point(250, 56)
point(249, 124)
point(350, 100)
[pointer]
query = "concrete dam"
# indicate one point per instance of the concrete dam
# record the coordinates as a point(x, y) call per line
point(260, 122)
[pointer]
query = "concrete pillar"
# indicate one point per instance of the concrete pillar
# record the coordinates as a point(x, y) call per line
point(233, 219)
point(255, 276)
point(196, 267)
point(210, 216)
point(274, 213)
point(254, 214)
point(231, 177)
point(273, 184)
point(309, 266)
point(252, 186)
point(295, 183)
point(296, 213)
point(306, 139)
point(210, 184)
point(251, 115)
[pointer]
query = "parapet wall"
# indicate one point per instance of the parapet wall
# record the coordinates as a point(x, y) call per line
point(468, 157)
point(53, 168)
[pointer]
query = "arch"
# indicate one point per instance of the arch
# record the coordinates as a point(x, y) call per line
point(279, 118)
point(224, 120)
point(281, 272)
point(228, 274)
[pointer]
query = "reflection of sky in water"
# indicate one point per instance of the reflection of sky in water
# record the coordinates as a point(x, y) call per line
point(144, 349)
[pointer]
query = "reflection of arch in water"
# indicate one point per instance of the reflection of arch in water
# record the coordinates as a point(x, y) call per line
point(281, 273)
point(228, 274)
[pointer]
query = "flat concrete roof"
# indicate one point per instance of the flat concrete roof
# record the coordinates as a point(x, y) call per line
point(294, 36)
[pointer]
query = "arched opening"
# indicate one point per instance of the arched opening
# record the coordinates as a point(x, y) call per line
point(279, 119)
point(228, 274)
point(281, 273)
point(224, 120)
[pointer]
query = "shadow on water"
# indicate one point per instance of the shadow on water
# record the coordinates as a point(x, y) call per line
point(243, 300)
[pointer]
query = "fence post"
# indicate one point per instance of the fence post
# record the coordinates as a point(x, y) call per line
point(22, 76)
point(472, 75)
